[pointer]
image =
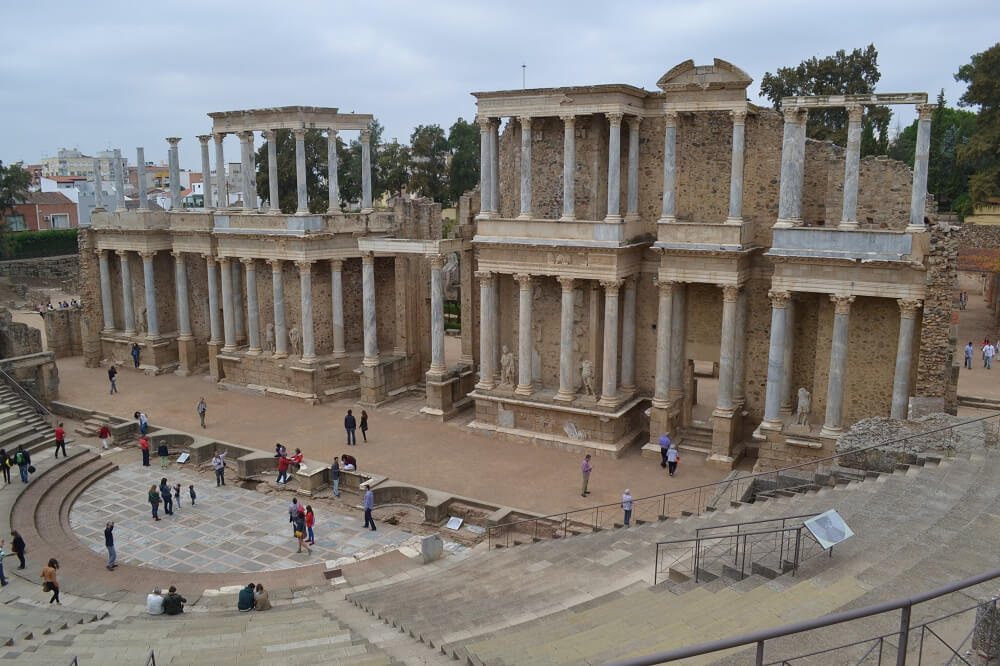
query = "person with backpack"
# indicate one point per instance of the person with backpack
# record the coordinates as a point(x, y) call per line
point(23, 461)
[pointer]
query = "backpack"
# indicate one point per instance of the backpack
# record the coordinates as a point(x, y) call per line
point(19, 458)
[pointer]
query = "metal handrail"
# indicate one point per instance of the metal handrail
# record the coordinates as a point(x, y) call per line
point(698, 531)
point(23, 393)
point(564, 515)
point(759, 637)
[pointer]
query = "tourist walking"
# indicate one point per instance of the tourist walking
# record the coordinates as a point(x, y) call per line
point(300, 533)
point(202, 408)
point(51, 584)
point(219, 465)
point(154, 501)
point(310, 521)
point(112, 377)
point(968, 356)
point(105, 434)
point(350, 424)
point(988, 353)
point(162, 451)
point(672, 458)
point(154, 602)
point(177, 496)
point(627, 504)
point(586, 468)
point(143, 422)
point(17, 545)
point(60, 440)
point(293, 512)
point(261, 600)
point(3, 578)
point(109, 543)
point(5, 463)
point(173, 603)
point(165, 492)
point(244, 602)
point(664, 445)
point(144, 445)
point(135, 354)
point(283, 465)
point(23, 461)
point(335, 476)
point(192, 493)
point(369, 504)
point(364, 425)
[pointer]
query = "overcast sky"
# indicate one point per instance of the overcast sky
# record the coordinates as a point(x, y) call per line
point(99, 74)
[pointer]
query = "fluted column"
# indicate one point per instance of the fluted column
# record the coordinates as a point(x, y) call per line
point(107, 304)
point(366, 172)
point(300, 170)
point(609, 383)
point(852, 165)
point(487, 330)
point(181, 291)
point(567, 363)
point(331, 174)
point(368, 308)
point(494, 167)
point(775, 360)
point(632, 203)
point(485, 165)
point(238, 318)
point(206, 172)
point(222, 195)
point(274, 195)
point(664, 315)
point(787, 390)
point(337, 298)
point(524, 341)
point(306, 310)
point(173, 164)
point(126, 272)
point(628, 336)
point(253, 313)
point(525, 168)
point(724, 399)
point(736, 167)
point(248, 196)
point(252, 172)
point(437, 315)
point(569, 168)
point(614, 167)
point(228, 319)
point(918, 196)
point(739, 359)
point(215, 326)
point(904, 357)
point(140, 173)
point(793, 154)
point(678, 342)
point(833, 424)
point(668, 212)
point(149, 278)
point(278, 298)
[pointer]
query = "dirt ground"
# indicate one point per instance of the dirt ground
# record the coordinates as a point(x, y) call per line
point(974, 323)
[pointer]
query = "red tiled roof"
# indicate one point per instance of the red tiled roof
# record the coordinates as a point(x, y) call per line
point(47, 198)
point(66, 179)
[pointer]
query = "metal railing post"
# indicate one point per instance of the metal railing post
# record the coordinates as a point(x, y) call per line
point(795, 563)
point(904, 634)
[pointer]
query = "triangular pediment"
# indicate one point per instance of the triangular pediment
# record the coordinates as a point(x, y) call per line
point(720, 75)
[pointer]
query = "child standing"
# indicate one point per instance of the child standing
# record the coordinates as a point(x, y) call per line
point(177, 494)
point(191, 491)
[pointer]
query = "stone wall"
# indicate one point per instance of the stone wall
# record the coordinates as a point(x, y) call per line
point(90, 299)
point(35, 373)
point(17, 339)
point(63, 336)
point(63, 270)
point(937, 364)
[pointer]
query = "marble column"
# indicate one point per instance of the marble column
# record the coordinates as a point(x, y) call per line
point(678, 349)
point(278, 298)
point(337, 301)
point(632, 203)
point(253, 313)
point(736, 167)
point(331, 174)
point(852, 166)
point(614, 167)
point(140, 160)
point(252, 171)
point(149, 278)
point(129, 311)
point(727, 348)
point(833, 424)
point(238, 305)
point(107, 304)
point(228, 318)
point(438, 365)
point(485, 164)
point(175, 174)
point(525, 168)
point(668, 211)
point(487, 330)
point(524, 342)
point(215, 326)
point(366, 172)
point(222, 193)
point(739, 359)
point(273, 196)
point(628, 336)
point(567, 362)
point(664, 315)
point(787, 389)
point(918, 196)
point(300, 171)
point(368, 308)
point(98, 186)
point(569, 168)
point(793, 155)
point(120, 180)
point(775, 360)
point(248, 196)
point(904, 357)
point(609, 379)
point(494, 167)
point(181, 292)
point(206, 172)
point(306, 310)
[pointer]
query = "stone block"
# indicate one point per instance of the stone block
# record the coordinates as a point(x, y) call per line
point(431, 548)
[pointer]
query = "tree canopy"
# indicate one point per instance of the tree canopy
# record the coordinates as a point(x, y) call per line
point(981, 153)
point(430, 152)
point(463, 173)
point(316, 171)
point(14, 184)
point(843, 73)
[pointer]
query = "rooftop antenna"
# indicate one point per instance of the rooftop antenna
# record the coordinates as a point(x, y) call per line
point(523, 68)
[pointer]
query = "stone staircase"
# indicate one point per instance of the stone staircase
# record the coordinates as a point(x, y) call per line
point(21, 424)
point(695, 438)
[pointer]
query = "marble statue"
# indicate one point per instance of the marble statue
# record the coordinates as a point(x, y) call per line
point(295, 340)
point(269, 337)
point(587, 376)
point(507, 367)
point(804, 407)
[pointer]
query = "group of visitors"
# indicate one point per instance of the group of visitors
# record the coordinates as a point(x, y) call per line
point(47, 307)
point(170, 603)
point(286, 462)
point(169, 495)
point(253, 597)
point(963, 299)
point(302, 520)
point(21, 458)
point(988, 351)
point(351, 425)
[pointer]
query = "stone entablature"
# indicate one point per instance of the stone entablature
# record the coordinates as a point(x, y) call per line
point(287, 117)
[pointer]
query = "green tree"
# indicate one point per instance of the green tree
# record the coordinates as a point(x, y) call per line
point(982, 151)
point(430, 151)
point(14, 184)
point(393, 166)
point(349, 169)
point(854, 73)
point(463, 174)
point(317, 185)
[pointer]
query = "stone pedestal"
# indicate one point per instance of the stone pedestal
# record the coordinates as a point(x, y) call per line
point(187, 354)
point(214, 368)
point(727, 448)
point(372, 384)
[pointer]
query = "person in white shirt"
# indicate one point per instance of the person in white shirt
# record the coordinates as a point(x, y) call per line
point(154, 602)
point(219, 465)
point(627, 504)
point(989, 351)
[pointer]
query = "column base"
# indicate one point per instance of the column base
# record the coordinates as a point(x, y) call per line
point(367, 211)
point(311, 358)
point(108, 331)
point(613, 218)
point(848, 225)
point(130, 332)
point(437, 370)
point(563, 396)
point(254, 351)
point(916, 228)
point(339, 353)
point(661, 403)
point(274, 211)
point(568, 218)
point(332, 211)
point(787, 223)
point(632, 217)
point(228, 349)
point(767, 424)
point(485, 386)
point(628, 389)
point(831, 431)
point(734, 220)
point(525, 216)
point(279, 354)
point(667, 219)
point(523, 389)
point(608, 401)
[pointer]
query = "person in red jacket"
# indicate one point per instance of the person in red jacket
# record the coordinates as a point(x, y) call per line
point(105, 435)
point(296, 461)
point(144, 445)
point(60, 440)
point(310, 520)
point(283, 464)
